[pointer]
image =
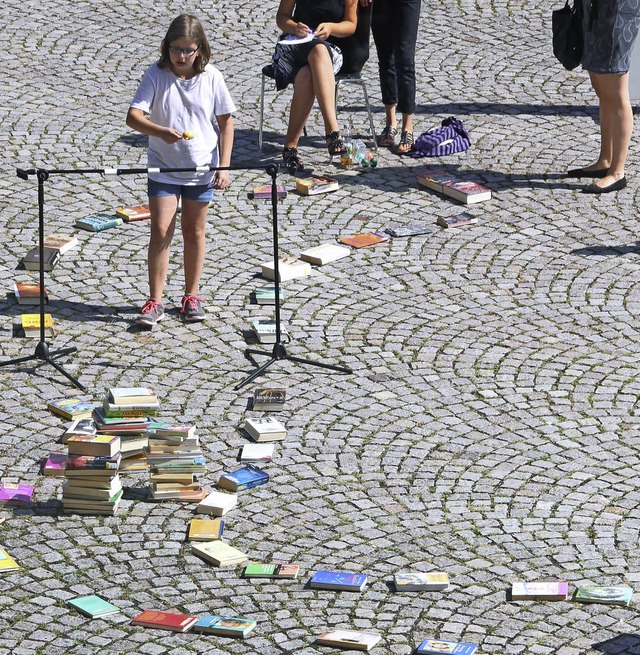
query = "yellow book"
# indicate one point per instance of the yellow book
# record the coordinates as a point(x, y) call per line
point(31, 325)
point(7, 563)
point(205, 529)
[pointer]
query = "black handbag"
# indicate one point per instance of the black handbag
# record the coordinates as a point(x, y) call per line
point(566, 24)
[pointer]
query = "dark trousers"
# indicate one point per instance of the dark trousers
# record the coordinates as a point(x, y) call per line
point(395, 29)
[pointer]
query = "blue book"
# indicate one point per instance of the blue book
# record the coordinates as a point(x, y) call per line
point(229, 627)
point(244, 478)
point(98, 222)
point(340, 580)
point(435, 646)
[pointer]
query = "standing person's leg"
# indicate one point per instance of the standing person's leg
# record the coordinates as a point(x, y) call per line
point(193, 224)
point(384, 33)
point(163, 222)
point(405, 56)
point(616, 126)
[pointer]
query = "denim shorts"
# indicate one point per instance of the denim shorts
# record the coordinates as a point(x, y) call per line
point(199, 193)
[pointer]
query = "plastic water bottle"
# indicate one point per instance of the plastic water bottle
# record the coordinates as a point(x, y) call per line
point(346, 158)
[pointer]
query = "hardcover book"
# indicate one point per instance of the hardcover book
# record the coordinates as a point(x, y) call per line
point(225, 626)
point(7, 563)
point(217, 503)
point(72, 408)
point(218, 553)
point(264, 192)
point(363, 239)
point(134, 213)
point(93, 606)
point(244, 478)
point(98, 222)
point(465, 218)
point(554, 590)
point(266, 295)
point(349, 639)
point(289, 268)
point(408, 231)
point(466, 192)
point(106, 445)
point(55, 464)
point(27, 293)
point(417, 581)
point(60, 242)
point(435, 646)
point(257, 452)
point(324, 254)
point(165, 620)
point(311, 186)
point(614, 595)
point(265, 429)
point(269, 400)
point(13, 494)
point(31, 325)
point(264, 570)
point(338, 580)
point(435, 179)
point(31, 261)
point(265, 329)
point(206, 529)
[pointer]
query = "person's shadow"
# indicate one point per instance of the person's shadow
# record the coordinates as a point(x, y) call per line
point(625, 644)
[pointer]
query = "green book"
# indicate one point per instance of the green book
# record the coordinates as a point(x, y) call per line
point(93, 606)
point(614, 595)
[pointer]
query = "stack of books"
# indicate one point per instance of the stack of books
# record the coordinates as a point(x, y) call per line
point(175, 459)
point(127, 412)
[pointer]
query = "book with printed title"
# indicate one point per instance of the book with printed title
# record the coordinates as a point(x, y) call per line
point(205, 529)
point(265, 429)
point(269, 400)
point(98, 222)
point(30, 324)
point(607, 595)
point(338, 580)
point(311, 186)
point(552, 590)
point(15, 494)
point(93, 606)
point(60, 242)
point(244, 478)
point(437, 646)
point(364, 239)
point(418, 581)
point(219, 553)
point(31, 261)
point(165, 620)
point(72, 408)
point(264, 570)
point(133, 213)
point(263, 192)
point(224, 626)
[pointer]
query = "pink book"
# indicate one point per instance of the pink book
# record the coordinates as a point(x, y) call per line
point(56, 464)
point(15, 493)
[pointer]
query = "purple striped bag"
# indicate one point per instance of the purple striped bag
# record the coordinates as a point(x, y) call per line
point(450, 137)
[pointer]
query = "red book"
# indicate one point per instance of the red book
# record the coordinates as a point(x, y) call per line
point(165, 620)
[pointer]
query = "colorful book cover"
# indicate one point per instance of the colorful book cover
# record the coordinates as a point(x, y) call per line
point(244, 478)
point(614, 595)
point(435, 179)
point(165, 620)
point(364, 239)
point(225, 626)
point(72, 408)
point(89, 462)
point(15, 493)
point(7, 563)
point(418, 581)
point(435, 646)
point(55, 464)
point(552, 590)
point(310, 186)
point(93, 606)
point(134, 213)
point(98, 222)
point(264, 192)
point(339, 580)
point(264, 570)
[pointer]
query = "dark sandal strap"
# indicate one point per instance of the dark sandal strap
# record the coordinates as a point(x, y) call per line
point(335, 144)
point(406, 138)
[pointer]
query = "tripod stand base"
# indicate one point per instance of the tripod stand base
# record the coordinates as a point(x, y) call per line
point(278, 353)
point(42, 353)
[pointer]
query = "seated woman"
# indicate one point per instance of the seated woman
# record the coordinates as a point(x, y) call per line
point(311, 66)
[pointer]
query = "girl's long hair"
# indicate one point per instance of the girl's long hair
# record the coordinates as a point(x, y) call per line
point(188, 27)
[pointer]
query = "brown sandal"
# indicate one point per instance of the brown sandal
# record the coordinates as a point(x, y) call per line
point(387, 136)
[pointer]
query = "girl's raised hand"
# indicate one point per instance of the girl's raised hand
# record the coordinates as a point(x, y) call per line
point(301, 30)
point(169, 135)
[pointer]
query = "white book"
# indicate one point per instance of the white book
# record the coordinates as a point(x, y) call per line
point(257, 452)
point(324, 253)
point(217, 503)
point(265, 329)
point(265, 429)
point(418, 581)
point(288, 269)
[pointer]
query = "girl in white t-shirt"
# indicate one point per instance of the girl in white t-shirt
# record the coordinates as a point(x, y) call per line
point(183, 105)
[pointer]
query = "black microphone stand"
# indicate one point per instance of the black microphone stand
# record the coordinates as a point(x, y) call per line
point(42, 352)
point(279, 352)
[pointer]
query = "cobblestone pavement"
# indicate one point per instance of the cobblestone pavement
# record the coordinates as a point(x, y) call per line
point(489, 428)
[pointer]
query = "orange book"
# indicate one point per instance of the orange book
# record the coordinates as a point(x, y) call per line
point(363, 239)
point(135, 213)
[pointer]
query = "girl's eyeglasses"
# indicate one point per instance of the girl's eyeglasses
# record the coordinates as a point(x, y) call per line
point(187, 52)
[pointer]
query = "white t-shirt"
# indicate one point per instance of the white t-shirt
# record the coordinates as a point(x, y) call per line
point(184, 105)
